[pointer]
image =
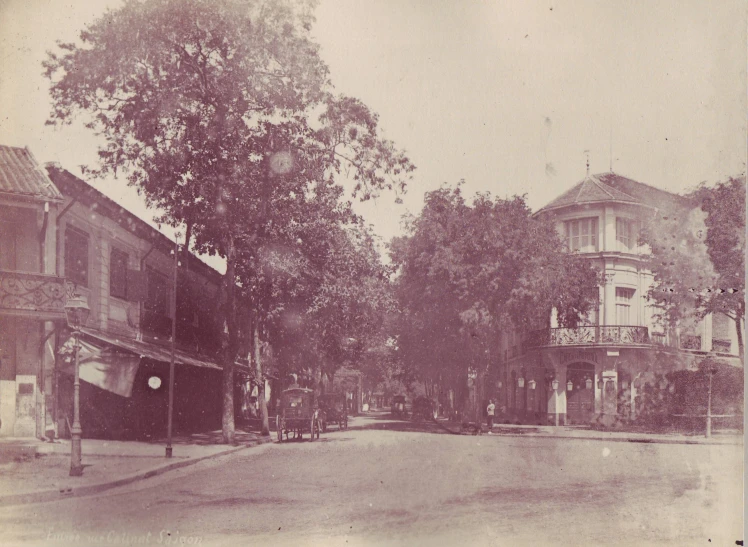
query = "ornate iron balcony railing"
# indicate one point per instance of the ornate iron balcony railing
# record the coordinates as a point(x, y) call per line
point(32, 292)
point(722, 346)
point(590, 335)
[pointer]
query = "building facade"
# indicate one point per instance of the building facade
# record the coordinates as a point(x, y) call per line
point(32, 295)
point(59, 238)
point(597, 371)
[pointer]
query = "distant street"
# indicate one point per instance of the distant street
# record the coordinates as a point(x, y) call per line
point(386, 483)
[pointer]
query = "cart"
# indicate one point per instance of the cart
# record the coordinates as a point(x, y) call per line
point(398, 407)
point(334, 410)
point(298, 414)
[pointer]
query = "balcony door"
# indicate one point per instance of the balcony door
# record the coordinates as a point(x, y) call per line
point(19, 247)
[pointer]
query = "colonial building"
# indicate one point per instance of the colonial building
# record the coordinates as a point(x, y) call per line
point(596, 371)
point(60, 237)
point(32, 295)
point(126, 270)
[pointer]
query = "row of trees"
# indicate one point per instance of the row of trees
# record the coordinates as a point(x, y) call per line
point(221, 113)
point(469, 271)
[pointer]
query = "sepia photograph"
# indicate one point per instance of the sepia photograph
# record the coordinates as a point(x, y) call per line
point(372, 272)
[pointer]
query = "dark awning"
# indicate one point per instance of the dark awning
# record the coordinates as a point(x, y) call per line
point(150, 351)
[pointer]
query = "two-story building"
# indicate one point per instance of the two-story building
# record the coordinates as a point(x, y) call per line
point(32, 295)
point(126, 270)
point(594, 371)
point(60, 237)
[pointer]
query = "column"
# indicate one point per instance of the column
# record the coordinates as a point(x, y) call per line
point(609, 298)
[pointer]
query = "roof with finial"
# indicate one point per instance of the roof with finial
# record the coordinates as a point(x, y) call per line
point(612, 187)
point(22, 177)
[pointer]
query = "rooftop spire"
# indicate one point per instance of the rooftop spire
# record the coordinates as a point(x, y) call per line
point(588, 162)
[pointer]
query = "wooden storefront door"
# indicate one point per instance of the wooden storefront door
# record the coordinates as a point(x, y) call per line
point(580, 400)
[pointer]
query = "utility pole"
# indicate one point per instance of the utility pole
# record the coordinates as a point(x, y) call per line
point(709, 407)
point(173, 348)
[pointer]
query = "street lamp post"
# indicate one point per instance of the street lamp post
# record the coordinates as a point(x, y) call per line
point(173, 306)
point(76, 313)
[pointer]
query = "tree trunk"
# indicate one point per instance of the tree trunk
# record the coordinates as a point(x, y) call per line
point(739, 330)
point(228, 343)
point(265, 430)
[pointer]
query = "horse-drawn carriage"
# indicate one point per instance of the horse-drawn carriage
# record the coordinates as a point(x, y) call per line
point(398, 407)
point(334, 410)
point(298, 413)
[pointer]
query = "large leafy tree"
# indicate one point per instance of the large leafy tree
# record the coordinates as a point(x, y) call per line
point(221, 112)
point(698, 256)
point(724, 205)
point(468, 271)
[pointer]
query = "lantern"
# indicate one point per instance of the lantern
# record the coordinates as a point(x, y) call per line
point(531, 384)
point(521, 382)
point(554, 384)
point(588, 383)
point(569, 386)
point(77, 312)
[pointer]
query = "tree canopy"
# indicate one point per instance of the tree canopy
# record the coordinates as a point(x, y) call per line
point(469, 271)
point(698, 255)
point(222, 114)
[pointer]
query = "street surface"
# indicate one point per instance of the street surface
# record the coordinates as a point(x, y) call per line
point(396, 483)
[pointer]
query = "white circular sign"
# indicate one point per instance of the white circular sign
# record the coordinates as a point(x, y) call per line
point(154, 382)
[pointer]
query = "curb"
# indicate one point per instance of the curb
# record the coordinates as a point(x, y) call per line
point(42, 496)
point(643, 440)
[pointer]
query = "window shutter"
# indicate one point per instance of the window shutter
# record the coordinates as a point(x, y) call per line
point(136, 286)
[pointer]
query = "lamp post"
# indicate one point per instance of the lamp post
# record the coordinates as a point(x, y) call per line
point(76, 313)
point(173, 307)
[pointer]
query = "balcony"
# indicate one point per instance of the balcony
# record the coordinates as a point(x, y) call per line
point(721, 346)
point(618, 335)
point(32, 294)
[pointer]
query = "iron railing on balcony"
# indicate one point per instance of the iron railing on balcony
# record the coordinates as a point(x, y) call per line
point(590, 335)
point(722, 346)
point(32, 292)
point(690, 341)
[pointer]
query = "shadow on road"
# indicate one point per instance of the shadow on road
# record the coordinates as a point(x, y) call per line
point(385, 422)
point(305, 439)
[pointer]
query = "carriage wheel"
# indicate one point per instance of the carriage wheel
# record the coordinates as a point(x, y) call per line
point(345, 422)
point(311, 429)
point(317, 428)
point(324, 427)
point(279, 428)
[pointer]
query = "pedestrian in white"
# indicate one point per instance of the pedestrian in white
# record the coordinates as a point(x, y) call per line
point(490, 410)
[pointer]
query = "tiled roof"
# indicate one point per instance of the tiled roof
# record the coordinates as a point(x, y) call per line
point(607, 187)
point(642, 192)
point(20, 175)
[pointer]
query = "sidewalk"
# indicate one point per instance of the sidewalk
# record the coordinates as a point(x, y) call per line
point(582, 432)
point(34, 471)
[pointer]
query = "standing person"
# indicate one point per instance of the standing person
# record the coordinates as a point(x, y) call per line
point(490, 410)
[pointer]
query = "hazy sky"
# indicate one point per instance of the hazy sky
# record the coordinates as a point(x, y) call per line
point(506, 95)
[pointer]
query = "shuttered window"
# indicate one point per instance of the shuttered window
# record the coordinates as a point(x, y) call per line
point(581, 234)
point(76, 256)
point(625, 234)
point(624, 300)
point(118, 274)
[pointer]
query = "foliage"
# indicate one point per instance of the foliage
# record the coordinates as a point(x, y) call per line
point(468, 271)
point(698, 255)
point(221, 112)
point(725, 242)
